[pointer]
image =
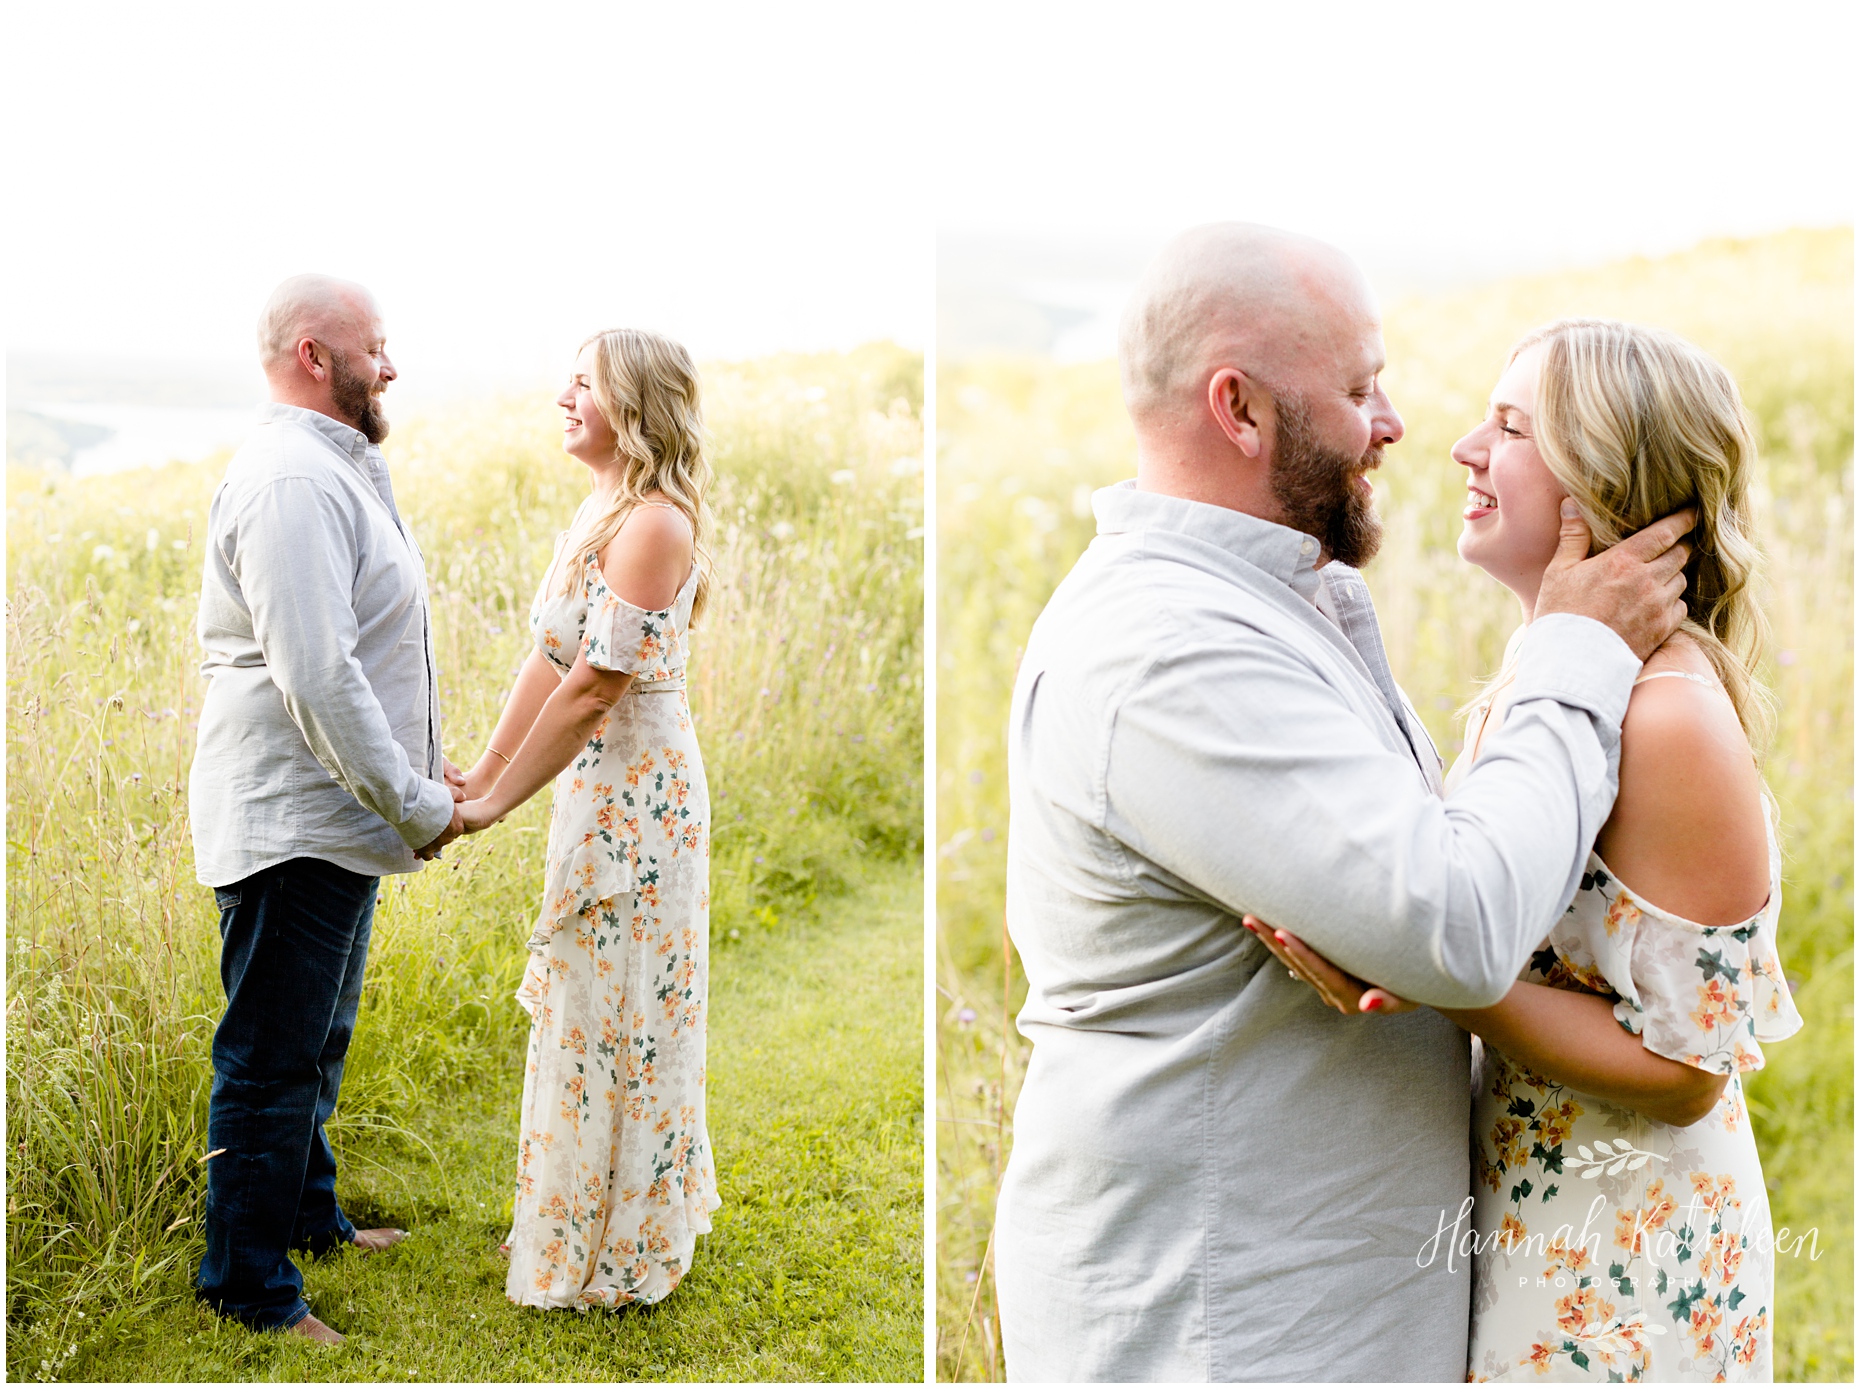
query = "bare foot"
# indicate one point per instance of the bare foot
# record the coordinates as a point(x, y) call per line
point(374, 1241)
point(316, 1331)
point(504, 1250)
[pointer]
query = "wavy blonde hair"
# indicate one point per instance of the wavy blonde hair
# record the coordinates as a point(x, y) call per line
point(646, 388)
point(1635, 423)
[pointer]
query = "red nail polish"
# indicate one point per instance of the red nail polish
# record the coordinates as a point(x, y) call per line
point(1372, 1005)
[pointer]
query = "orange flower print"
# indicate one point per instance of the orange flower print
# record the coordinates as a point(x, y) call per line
point(1507, 1140)
point(1745, 1338)
point(1633, 1228)
point(1491, 1173)
point(1556, 1122)
point(1561, 1254)
point(1511, 1233)
point(1722, 1256)
point(1539, 1358)
point(1704, 1326)
point(1715, 1193)
point(1715, 1009)
point(1583, 1309)
point(1621, 912)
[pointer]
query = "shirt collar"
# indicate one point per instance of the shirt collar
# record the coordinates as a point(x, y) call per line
point(350, 440)
point(1288, 555)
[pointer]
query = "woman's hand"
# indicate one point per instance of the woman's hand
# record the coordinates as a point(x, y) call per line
point(1344, 992)
point(478, 815)
point(482, 778)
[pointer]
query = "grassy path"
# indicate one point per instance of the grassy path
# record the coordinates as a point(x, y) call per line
point(813, 1270)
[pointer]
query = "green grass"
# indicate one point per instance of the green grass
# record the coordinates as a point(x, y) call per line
point(1022, 444)
point(812, 1268)
point(806, 687)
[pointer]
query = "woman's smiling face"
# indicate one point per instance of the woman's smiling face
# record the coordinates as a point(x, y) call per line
point(1512, 502)
point(585, 432)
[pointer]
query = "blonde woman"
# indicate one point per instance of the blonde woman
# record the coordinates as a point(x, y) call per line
point(1620, 1227)
point(615, 1179)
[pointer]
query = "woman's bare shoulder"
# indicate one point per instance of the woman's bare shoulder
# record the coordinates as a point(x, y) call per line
point(649, 558)
point(1687, 831)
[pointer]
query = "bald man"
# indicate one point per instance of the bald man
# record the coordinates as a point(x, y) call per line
point(318, 770)
point(1214, 1176)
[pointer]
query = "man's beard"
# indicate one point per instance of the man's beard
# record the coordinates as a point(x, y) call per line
point(357, 402)
point(1317, 488)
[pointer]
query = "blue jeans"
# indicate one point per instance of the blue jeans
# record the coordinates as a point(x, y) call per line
point(294, 940)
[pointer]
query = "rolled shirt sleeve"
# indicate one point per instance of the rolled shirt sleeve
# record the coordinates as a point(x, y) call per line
point(304, 620)
point(1235, 768)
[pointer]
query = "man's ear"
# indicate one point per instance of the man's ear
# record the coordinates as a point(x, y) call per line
point(1240, 407)
point(310, 356)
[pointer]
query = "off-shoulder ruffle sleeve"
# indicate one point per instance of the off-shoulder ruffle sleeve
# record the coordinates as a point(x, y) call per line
point(1706, 996)
point(622, 637)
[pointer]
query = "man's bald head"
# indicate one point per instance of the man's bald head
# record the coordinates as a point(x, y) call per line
point(324, 348)
point(1233, 294)
point(311, 306)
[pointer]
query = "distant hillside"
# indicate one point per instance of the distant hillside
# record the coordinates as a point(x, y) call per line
point(39, 441)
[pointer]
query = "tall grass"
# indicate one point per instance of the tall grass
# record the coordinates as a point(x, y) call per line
point(807, 692)
point(1022, 444)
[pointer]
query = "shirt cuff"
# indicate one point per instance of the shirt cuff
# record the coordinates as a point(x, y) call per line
point(430, 820)
point(1577, 661)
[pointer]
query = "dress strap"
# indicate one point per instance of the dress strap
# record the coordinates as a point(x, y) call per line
point(1679, 675)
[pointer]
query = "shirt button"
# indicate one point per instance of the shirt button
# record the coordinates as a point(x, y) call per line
point(1306, 546)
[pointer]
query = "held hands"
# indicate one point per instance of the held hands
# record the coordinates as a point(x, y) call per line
point(1634, 587)
point(1344, 992)
point(446, 836)
point(478, 815)
point(468, 815)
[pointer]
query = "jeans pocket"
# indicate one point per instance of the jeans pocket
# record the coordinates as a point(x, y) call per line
point(225, 899)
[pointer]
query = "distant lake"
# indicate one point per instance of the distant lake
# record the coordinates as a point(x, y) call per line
point(148, 435)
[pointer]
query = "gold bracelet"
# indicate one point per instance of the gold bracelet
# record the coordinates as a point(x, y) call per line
point(495, 753)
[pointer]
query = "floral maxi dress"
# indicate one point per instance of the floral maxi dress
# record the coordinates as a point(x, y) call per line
point(615, 1179)
point(1612, 1246)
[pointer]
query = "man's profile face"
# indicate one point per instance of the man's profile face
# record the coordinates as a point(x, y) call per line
point(1332, 422)
point(1321, 490)
point(359, 370)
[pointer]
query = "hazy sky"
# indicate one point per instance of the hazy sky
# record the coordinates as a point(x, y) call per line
point(507, 178)
point(1432, 140)
point(756, 177)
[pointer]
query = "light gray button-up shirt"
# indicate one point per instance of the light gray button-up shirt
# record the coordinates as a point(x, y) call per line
point(1215, 1177)
point(319, 736)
